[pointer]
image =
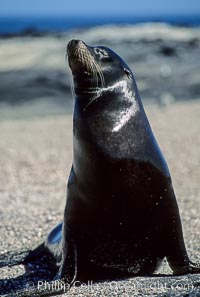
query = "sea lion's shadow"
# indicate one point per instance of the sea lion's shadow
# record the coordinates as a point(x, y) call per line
point(20, 283)
point(41, 269)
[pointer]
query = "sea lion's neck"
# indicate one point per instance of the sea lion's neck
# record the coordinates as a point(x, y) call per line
point(107, 113)
point(122, 91)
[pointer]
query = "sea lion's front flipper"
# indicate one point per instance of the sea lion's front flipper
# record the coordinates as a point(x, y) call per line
point(68, 268)
point(50, 249)
point(177, 256)
point(184, 266)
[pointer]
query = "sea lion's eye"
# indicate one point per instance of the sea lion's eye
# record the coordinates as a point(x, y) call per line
point(128, 73)
point(102, 53)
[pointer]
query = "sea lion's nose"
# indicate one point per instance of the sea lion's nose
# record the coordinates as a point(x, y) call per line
point(74, 43)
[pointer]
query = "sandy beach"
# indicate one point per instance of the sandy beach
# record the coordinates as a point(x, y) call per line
point(36, 142)
point(34, 168)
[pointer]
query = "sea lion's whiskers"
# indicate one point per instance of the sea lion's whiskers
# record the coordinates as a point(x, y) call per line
point(99, 86)
point(91, 65)
point(93, 68)
point(86, 58)
point(99, 72)
point(95, 81)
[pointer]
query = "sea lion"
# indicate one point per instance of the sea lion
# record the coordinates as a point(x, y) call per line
point(121, 215)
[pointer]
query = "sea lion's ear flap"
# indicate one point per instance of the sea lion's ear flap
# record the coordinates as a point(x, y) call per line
point(128, 73)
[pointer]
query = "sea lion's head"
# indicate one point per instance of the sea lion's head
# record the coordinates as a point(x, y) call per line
point(97, 70)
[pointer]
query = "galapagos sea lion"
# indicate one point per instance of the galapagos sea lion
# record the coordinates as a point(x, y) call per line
point(121, 213)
